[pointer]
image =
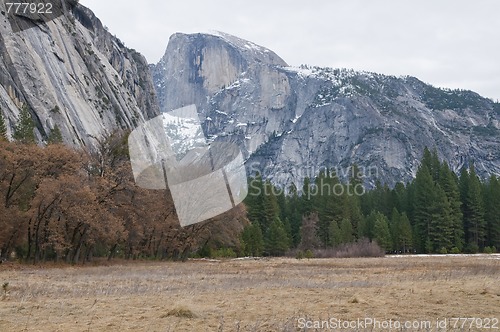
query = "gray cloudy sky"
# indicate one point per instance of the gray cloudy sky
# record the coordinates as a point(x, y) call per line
point(448, 43)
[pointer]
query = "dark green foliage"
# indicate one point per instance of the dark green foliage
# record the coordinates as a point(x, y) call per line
point(366, 227)
point(440, 230)
point(3, 127)
point(423, 207)
point(24, 130)
point(271, 210)
point(255, 200)
point(346, 231)
point(276, 243)
point(473, 210)
point(436, 212)
point(252, 240)
point(55, 136)
point(441, 99)
point(381, 232)
point(449, 182)
point(293, 215)
point(492, 207)
point(334, 236)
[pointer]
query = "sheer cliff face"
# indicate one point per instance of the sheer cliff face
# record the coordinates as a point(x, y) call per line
point(291, 121)
point(74, 74)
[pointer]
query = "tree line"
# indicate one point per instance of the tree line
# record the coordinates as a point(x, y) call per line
point(438, 212)
point(69, 205)
point(64, 204)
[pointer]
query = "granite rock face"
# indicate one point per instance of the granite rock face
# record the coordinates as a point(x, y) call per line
point(71, 72)
point(290, 122)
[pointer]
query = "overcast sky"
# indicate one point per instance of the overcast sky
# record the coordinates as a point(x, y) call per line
point(448, 43)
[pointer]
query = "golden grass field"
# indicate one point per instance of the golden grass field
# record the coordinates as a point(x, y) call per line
point(248, 295)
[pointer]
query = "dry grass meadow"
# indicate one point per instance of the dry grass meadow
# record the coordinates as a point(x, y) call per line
point(246, 295)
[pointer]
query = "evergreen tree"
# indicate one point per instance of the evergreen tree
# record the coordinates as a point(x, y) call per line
point(492, 211)
point(383, 199)
point(271, 210)
point(328, 198)
point(3, 127)
point(410, 201)
point(435, 166)
point(400, 197)
point(293, 212)
point(255, 200)
point(354, 200)
point(426, 159)
point(306, 204)
point(423, 208)
point(276, 239)
point(252, 240)
point(333, 204)
point(55, 136)
point(441, 227)
point(367, 226)
point(431, 161)
point(288, 230)
point(346, 231)
point(24, 130)
point(449, 183)
point(321, 201)
point(334, 235)
point(473, 210)
point(381, 232)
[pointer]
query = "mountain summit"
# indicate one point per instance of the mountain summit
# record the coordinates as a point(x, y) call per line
point(292, 121)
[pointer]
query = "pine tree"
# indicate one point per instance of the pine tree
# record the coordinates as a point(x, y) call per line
point(426, 159)
point(24, 130)
point(255, 200)
point(321, 200)
point(381, 232)
point(382, 200)
point(293, 211)
point(270, 206)
point(449, 183)
point(55, 136)
point(400, 199)
point(334, 235)
point(346, 231)
point(492, 211)
point(423, 208)
point(306, 204)
point(288, 230)
point(435, 166)
point(354, 200)
point(332, 204)
point(3, 128)
point(367, 226)
point(276, 239)
point(473, 211)
point(252, 240)
point(441, 227)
